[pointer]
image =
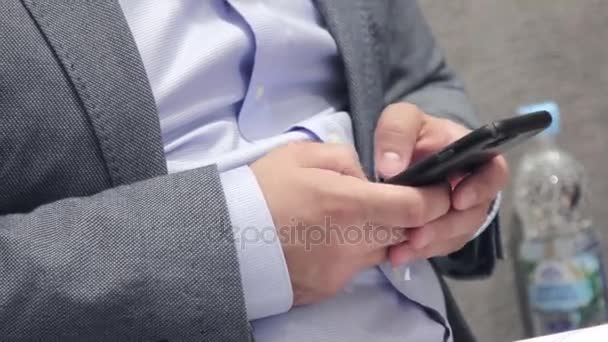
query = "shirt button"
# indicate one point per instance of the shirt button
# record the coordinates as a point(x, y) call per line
point(259, 93)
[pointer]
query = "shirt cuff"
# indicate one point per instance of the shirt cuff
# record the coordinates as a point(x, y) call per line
point(491, 216)
point(264, 275)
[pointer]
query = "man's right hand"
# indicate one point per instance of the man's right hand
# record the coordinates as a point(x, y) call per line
point(331, 220)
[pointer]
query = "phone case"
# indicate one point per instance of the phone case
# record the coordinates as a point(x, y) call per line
point(473, 150)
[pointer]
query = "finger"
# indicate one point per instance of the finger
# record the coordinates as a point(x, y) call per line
point(383, 237)
point(404, 253)
point(402, 206)
point(483, 185)
point(375, 258)
point(339, 158)
point(455, 224)
point(395, 138)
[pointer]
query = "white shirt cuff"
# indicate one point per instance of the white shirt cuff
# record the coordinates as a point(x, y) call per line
point(264, 273)
point(491, 216)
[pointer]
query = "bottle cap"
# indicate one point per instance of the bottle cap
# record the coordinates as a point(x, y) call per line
point(549, 106)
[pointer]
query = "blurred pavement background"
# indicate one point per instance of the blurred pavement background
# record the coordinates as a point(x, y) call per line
point(513, 52)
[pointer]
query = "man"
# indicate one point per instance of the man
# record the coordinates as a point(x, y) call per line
point(164, 166)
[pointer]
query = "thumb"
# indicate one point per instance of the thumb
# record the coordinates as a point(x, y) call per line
point(395, 138)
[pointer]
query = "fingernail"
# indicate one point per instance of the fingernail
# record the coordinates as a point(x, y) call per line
point(390, 165)
point(468, 199)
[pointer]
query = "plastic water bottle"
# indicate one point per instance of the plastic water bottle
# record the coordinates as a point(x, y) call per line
point(559, 252)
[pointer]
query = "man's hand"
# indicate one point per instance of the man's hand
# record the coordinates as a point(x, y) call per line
point(404, 135)
point(331, 220)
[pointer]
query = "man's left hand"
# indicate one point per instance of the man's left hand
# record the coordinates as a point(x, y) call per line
point(404, 135)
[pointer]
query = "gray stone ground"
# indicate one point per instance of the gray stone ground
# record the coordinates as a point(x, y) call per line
point(512, 52)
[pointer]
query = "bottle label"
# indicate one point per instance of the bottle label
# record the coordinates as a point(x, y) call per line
point(560, 286)
point(566, 294)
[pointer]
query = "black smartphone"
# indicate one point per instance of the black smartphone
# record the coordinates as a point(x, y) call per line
point(473, 150)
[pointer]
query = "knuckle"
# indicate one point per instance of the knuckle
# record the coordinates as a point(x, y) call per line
point(335, 210)
point(415, 213)
point(341, 205)
point(504, 167)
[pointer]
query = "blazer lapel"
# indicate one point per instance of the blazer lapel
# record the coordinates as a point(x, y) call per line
point(92, 42)
point(352, 27)
point(349, 23)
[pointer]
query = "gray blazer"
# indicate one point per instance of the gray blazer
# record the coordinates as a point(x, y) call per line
point(97, 242)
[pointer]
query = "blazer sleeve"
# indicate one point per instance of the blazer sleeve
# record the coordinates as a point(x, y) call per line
point(418, 73)
point(151, 261)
